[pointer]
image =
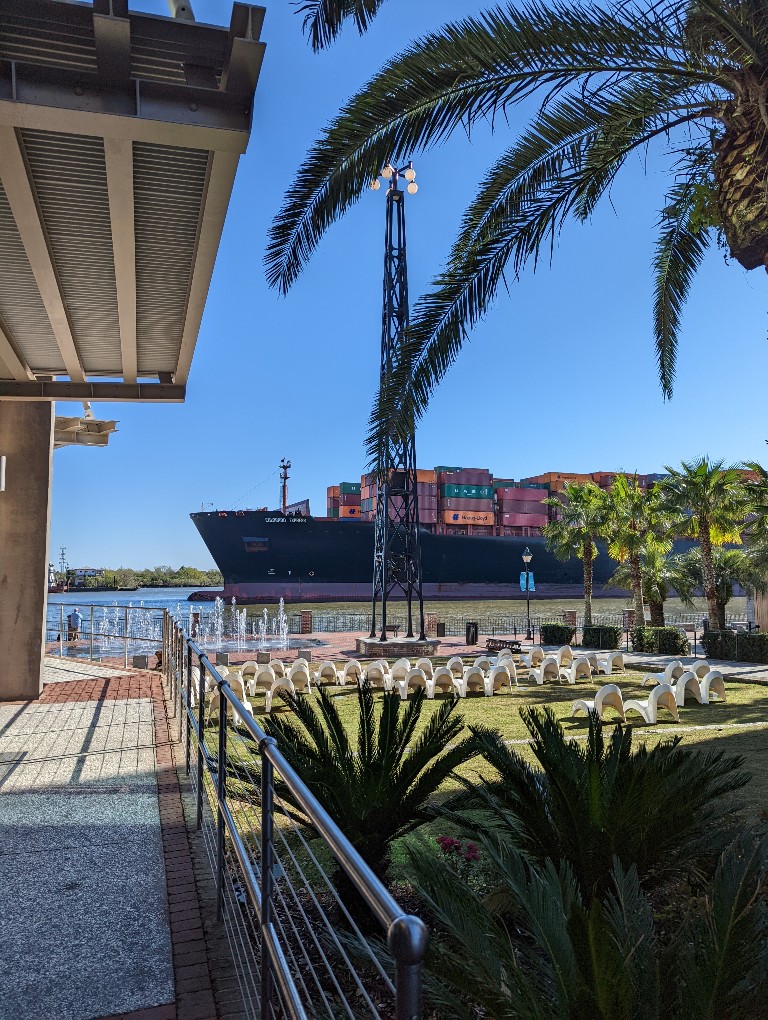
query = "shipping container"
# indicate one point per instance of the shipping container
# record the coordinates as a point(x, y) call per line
point(428, 502)
point(502, 483)
point(466, 491)
point(333, 512)
point(349, 511)
point(349, 499)
point(521, 506)
point(333, 490)
point(347, 487)
point(480, 505)
point(443, 470)
point(518, 492)
point(426, 477)
point(467, 517)
point(528, 520)
point(427, 516)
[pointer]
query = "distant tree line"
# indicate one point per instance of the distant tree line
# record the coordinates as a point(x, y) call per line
point(159, 577)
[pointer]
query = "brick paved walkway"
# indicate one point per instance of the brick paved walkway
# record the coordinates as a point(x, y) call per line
point(99, 911)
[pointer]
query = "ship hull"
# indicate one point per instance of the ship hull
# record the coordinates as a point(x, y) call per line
point(265, 556)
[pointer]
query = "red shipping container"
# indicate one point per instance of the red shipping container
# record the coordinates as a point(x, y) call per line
point(427, 502)
point(427, 516)
point(524, 520)
point(518, 492)
point(466, 504)
point(521, 506)
point(349, 499)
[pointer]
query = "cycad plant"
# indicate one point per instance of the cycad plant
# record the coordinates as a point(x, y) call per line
point(377, 787)
point(599, 83)
point(709, 502)
point(636, 525)
point(582, 515)
point(547, 950)
point(664, 810)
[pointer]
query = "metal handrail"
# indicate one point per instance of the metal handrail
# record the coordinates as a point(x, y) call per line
point(407, 935)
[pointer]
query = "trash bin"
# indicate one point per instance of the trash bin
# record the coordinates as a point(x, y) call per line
point(472, 630)
point(441, 629)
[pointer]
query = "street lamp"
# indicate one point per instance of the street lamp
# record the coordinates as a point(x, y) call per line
point(527, 557)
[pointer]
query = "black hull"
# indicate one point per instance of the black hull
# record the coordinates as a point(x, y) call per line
point(265, 556)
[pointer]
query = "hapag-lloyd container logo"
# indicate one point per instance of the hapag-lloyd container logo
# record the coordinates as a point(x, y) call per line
point(283, 520)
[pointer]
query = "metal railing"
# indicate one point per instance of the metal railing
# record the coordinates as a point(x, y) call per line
point(301, 948)
point(113, 632)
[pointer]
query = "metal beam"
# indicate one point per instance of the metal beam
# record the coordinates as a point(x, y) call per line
point(117, 392)
point(21, 198)
point(222, 167)
point(112, 36)
point(118, 156)
point(137, 110)
point(18, 368)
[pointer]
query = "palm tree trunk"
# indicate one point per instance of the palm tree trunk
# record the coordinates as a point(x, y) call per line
point(637, 587)
point(721, 615)
point(657, 613)
point(708, 572)
point(588, 550)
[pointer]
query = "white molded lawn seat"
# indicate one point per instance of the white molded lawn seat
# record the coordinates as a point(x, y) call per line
point(473, 681)
point(263, 680)
point(425, 664)
point(700, 667)
point(441, 680)
point(378, 676)
point(548, 670)
point(713, 683)
point(300, 661)
point(456, 666)
point(351, 673)
point(609, 696)
point(662, 696)
point(298, 674)
point(499, 676)
point(565, 656)
point(609, 662)
point(238, 689)
point(248, 670)
point(505, 655)
point(687, 682)
point(281, 684)
point(327, 673)
point(414, 678)
point(483, 662)
point(400, 670)
point(533, 658)
point(579, 669)
point(278, 666)
point(672, 672)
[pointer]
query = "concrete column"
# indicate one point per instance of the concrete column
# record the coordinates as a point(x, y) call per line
point(26, 440)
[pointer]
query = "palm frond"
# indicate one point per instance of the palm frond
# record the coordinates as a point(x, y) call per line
point(324, 19)
point(679, 253)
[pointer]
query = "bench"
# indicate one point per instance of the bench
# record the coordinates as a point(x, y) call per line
point(393, 628)
point(498, 644)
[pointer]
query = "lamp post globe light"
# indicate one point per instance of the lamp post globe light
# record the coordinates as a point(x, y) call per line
point(527, 557)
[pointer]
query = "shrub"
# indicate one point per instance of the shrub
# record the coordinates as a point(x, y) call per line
point(601, 637)
point(735, 645)
point(556, 634)
point(662, 640)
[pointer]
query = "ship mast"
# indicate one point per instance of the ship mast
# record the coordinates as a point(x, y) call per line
point(284, 476)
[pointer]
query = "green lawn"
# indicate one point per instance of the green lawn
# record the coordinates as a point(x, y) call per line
point(708, 726)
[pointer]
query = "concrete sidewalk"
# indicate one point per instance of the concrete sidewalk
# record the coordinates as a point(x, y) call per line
point(86, 924)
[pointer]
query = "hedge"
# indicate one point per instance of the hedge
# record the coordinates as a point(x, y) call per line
point(556, 633)
point(601, 637)
point(736, 645)
point(662, 640)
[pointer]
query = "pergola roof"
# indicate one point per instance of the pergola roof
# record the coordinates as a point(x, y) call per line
point(120, 135)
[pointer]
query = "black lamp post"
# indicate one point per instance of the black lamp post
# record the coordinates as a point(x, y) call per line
point(527, 557)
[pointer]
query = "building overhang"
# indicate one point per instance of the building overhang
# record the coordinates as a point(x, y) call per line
point(120, 135)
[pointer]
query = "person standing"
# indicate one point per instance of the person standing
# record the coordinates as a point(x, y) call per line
point(74, 623)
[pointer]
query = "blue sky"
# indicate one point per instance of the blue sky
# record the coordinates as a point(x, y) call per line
point(561, 376)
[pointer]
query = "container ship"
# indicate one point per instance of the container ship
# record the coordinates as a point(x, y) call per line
point(473, 531)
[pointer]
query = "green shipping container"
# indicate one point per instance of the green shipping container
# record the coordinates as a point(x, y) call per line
point(333, 512)
point(442, 467)
point(349, 487)
point(466, 491)
point(504, 483)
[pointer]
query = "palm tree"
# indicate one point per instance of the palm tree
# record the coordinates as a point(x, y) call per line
point(730, 567)
point(582, 519)
point(604, 81)
point(543, 948)
point(660, 574)
point(710, 503)
point(661, 810)
point(376, 789)
point(636, 526)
